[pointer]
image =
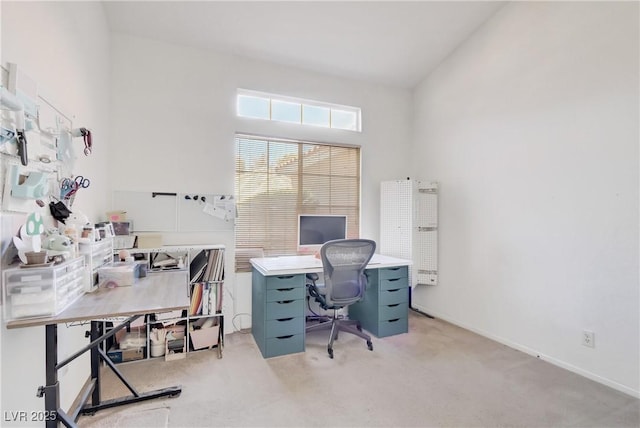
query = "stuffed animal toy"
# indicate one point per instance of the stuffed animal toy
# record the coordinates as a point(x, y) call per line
point(56, 241)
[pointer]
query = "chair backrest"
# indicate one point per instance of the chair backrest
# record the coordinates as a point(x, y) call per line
point(344, 262)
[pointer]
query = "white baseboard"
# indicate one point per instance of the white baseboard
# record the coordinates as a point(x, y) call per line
point(592, 376)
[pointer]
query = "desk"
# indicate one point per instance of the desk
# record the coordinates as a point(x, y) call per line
point(152, 294)
point(279, 295)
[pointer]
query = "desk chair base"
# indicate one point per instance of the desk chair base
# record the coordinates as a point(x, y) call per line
point(337, 325)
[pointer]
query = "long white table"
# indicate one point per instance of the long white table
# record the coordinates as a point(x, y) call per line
point(284, 265)
point(157, 292)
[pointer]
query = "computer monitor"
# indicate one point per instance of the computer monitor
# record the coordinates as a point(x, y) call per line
point(316, 229)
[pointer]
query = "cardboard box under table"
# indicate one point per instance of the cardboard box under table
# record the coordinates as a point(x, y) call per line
point(124, 355)
point(205, 337)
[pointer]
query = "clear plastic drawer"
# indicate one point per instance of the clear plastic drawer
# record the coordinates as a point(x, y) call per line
point(42, 291)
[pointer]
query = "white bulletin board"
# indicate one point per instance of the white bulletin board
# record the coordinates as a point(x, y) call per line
point(176, 212)
point(148, 211)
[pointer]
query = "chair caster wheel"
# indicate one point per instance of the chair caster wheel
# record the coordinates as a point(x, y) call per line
point(330, 351)
point(370, 345)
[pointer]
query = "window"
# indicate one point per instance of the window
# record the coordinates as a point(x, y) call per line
point(278, 179)
point(285, 111)
point(255, 107)
point(258, 105)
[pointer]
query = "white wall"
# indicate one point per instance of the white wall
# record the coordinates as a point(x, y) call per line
point(531, 127)
point(173, 110)
point(63, 46)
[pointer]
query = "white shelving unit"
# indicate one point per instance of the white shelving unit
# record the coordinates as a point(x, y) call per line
point(194, 330)
point(409, 226)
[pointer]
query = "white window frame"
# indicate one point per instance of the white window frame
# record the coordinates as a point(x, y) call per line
point(356, 111)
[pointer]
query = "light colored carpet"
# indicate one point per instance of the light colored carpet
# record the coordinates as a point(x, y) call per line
point(437, 375)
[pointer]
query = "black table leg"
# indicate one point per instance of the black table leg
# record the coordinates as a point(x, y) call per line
point(97, 354)
point(51, 391)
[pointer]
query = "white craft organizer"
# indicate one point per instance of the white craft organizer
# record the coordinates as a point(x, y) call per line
point(42, 291)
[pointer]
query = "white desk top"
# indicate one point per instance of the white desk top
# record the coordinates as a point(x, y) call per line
point(282, 265)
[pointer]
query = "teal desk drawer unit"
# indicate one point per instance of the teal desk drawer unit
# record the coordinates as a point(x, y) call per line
point(277, 320)
point(384, 310)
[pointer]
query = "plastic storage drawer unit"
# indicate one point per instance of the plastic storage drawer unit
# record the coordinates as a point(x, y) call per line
point(96, 254)
point(42, 291)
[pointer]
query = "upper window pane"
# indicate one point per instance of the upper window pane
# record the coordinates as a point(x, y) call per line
point(285, 111)
point(249, 106)
point(342, 119)
point(314, 115)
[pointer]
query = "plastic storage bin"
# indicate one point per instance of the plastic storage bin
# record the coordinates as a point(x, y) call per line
point(119, 274)
point(43, 291)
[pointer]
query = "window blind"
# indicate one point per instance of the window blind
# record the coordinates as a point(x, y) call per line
point(278, 179)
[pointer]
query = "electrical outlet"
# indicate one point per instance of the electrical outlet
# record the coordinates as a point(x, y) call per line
point(588, 339)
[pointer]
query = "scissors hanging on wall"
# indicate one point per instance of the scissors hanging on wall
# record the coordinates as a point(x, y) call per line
point(69, 186)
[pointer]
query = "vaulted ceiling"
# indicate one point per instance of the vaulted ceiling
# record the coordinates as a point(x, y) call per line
point(393, 43)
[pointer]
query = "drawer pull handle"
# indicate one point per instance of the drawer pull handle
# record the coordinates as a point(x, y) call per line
point(284, 319)
point(285, 277)
point(394, 279)
point(284, 302)
point(285, 289)
point(393, 306)
point(394, 290)
point(397, 319)
point(285, 337)
point(394, 268)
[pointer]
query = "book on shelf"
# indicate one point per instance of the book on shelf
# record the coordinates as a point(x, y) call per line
point(196, 299)
point(218, 267)
point(206, 293)
point(207, 272)
point(197, 267)
point(217, 302)
point(206, 298)
point(214, 297)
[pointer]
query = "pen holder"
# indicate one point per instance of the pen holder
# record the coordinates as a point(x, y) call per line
point(158, 338)
point(157, 349)
point(36, 257)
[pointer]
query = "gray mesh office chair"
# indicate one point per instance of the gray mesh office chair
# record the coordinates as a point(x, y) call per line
point(343, 262)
